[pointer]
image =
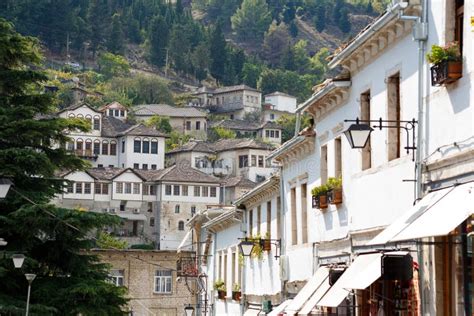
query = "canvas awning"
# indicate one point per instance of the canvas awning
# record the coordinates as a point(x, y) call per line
point(134, 204)
point(307, 291)
point(185, 240)
point(437, 214)
point(338, 292)
point(278, 309)
point(132, 217)
point(314, 299)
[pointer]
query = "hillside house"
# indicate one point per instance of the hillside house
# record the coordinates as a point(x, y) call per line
point(267, 131)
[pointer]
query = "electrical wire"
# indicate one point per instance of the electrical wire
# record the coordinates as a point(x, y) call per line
point(454, 144)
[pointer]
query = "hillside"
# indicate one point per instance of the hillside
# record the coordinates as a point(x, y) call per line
point(271, 45)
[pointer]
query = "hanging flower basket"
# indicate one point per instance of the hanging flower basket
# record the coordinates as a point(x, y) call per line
point(447, 64)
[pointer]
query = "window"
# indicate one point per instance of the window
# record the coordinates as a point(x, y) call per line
point(113, 148)
point(88, 147)
point(260, 161)
point(324, 164)
point(137, 144)
point(177, 208)
point(243, 161)
point(70, 146)
point(197, 190)
point(150, 207)
point(294, 225)
point(277, 134)
point(205, 191)
point(111, 112)
point(117, 113)
point(145, 166)
point(79, 146)
point(188, 125)
point(180, 225)
point(272, 116)
point(168, 189)
point(122, 206)
point(459, 23)
point(213, 191)
point(122, 113)
point(146, 147)
point(116, 277)
point(154, 147)
point(136, 166)
point(153, 167)
point(70, 187)
point(393, 114)
point(278, 216)
point(87, 188)
point(253, 161)
point(193, 210)
point(96, 147)
point(119, 187)
point(149, 189)
point(123, 146)
point(185, 190)
point(152, 221)
point(267, 133)
point(176, 190)
point(163, 281)
point(78, 187)
point(198, 125)
point(269, 220)
point(136, 188)
point(101, 188)
point(128, 188)
point(337, 158)
point(97, 123)
point(304, 213)
point(365, 115)
point(105, 147)
point(272, 134)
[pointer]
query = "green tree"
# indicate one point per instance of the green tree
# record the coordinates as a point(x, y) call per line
point(288, 122)
point(319, 64)
point(54, 240)
point(275, 43)
point(142, 89)
point(218, 52)
point(251, 73)
point(98, 21)
point(160, 123)
point(176, 139)
point(344, 23)
point(300, 55)
point(111, 65)
point(106, 241)
point(201, 61)
point(158, 36)
point(251, 20)
point(180, 48)
point(320, 17)
point(217, 133)
point(115, 41)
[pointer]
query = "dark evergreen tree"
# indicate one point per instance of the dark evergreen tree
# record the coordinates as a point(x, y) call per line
point(98, 17)
point(344, 23)
point(69, 280)
point(158, 37)
point(115, 41)
point(320, 17)
point(218, 52)
point(293, 29)
point(336, 11)
point(180, 48)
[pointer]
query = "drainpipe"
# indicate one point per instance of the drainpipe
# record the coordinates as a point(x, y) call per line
point(243, 289)
point(297, 123)
point(282, 228)
point(213, 299)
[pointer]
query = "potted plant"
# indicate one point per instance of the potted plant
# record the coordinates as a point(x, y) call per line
point(266, 242)
point(335, 192)
point(320, 198)
point(219, 286)
point(257, 251)
point(447, 63)
point(236, 292)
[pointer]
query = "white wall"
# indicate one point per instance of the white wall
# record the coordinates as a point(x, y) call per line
point(130, 158)
point(127, 177)
point(282, 103)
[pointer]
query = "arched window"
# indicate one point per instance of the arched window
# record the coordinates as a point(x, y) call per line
point(180, 225)
point(113, 148)
point(105, 147)
point(96, 124)
point(154, 146)
point(146, 146)
point(137, 145)
point(80, 116)
point(79, 146)
point(71, 115)
point(88, 147)
point(96, 147)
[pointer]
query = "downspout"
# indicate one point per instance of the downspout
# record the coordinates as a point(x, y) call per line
point(213, 298)
point(244, 270)
point(282, 230)
point(297, 123)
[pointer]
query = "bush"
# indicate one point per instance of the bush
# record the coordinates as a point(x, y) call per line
point(143, 246)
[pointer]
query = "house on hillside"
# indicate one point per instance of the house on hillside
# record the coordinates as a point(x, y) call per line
point(280, 101)
point(267, 131)
point(114, 109)
point(186, 120)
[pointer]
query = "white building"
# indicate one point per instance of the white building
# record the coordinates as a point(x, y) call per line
point(268, 131)
point(280, 101)
point(112, 141)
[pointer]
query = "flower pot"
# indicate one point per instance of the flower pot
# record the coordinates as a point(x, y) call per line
point(446, 72)
point(236, 295)
point(335, 196)
point(323, 201)
point(221, 294)
point(266, 245)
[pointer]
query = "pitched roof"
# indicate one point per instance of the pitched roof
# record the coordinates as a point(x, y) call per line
point(245, 125)
point(167, 110)
point(239, 181)
point(107, 173)
point(183, 172)
point(106, 106)
point(194, 145)
point(234, 88)
point(278, 93)
point(75, 106)
point(240, 143)
point(113, 127)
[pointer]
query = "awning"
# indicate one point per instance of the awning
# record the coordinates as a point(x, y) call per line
point(132, 217)
point(370, 270)
point(278, 309)
point(252, 312)
point(185, 239)
point(307, 291)
point(437, 214)
point(133, 204)
point(338, 292)
point(311, 303)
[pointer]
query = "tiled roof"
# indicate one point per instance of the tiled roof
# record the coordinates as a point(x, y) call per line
point(105, 107)
point(234, 88)
point(113, 127)
point(193, 145)
point(167, 110)
point(240, 143)
point(151, 175)
point(104, 173)
point(76, 106)
point(239, 181)
point(183, 172)
point(142, 130)
point(245, 125)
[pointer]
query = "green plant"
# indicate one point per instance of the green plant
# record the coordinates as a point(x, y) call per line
point(450, 52)
point(320, 190)
point(236, 287)
point(257, 251)
point(219, 285)
point(334, 183)
point(241, 259)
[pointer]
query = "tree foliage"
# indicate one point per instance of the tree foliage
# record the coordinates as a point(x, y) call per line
point(160, 123)
point(251, 20)
point(218, 132)
point(69, 280)
point(111, 65)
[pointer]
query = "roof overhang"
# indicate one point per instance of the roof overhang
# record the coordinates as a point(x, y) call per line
point(229, 218)
point(266, 189)
point(295, 147)
point(374, 38)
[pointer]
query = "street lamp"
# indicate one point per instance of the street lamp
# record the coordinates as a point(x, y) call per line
point(246, 247)
point(358, 134)
point(29, 277)
point(18, 260)
point(3, 242)
point(5, 185)
point(189, 310)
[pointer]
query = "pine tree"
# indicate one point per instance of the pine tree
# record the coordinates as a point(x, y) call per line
point(251, 20)
point(344, 23)
point(275, 43)
point(98, 20)
point(218, 52)
point(320, 18)
point(158, 37)
point(69, 280)
point(115, 42)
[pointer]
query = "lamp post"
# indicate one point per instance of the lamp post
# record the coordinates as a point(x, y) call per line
point(5, 185)
point(189, 310)
point(3, 242)
point(246, 247)
point(29, 277)
point(18, 260)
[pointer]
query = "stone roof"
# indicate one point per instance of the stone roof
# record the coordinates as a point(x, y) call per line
point(245, 125)
point(194, 145)
point(75, 106)
point(239, 181)
point(183, 172)
point(113, 127)
point(234, 88)
point(167, 110)
point(107, 173)
point(105, 107)
point(240, 143)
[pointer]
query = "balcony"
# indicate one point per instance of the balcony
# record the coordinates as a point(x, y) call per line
point(86, 154)
point(446, 72)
